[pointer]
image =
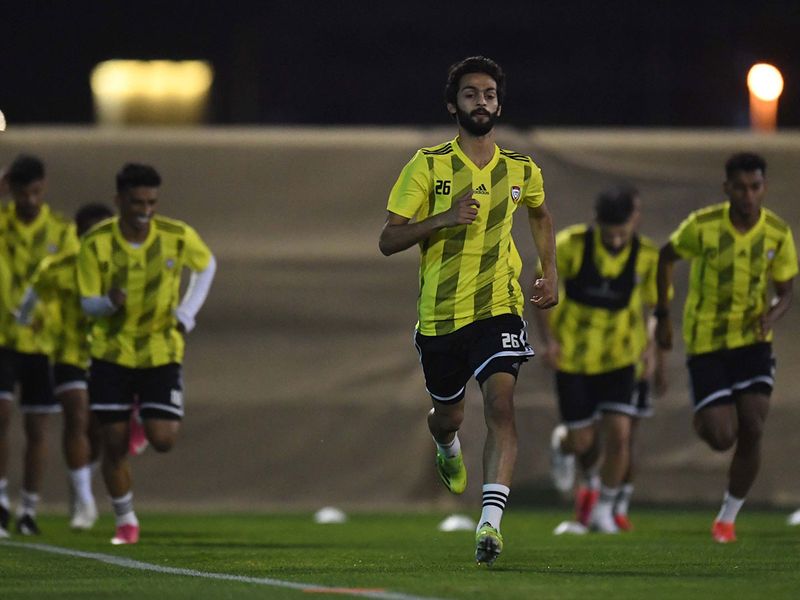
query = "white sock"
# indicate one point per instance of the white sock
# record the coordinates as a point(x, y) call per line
point(623, 499)
point(123, 510)
point(4, 502)
point(81, 479)
point(28, 503)
point(605, 503)
point(730, 508)
point(495, 496)
point(450, 449)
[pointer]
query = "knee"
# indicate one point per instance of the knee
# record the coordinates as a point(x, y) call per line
point(449, 420)
point(161, 442)
point(718, 439)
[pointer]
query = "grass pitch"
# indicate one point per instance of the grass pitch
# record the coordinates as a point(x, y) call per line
point(404, 557)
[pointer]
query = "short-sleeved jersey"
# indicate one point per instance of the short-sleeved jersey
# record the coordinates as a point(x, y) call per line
point(142, 333)
point(729, 275)
point(56, 281)
point(24, 246)
point(597, 340)
point(468, 272)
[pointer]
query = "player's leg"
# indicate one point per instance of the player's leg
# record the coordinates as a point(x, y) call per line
point(72, 392)
point(498, 347)
point(111, 401)
point(446, 375)
point(623, 499)
point(614, 391)
point(7, 382)
point(160, 398)
point(37, 403)
point(5, 420)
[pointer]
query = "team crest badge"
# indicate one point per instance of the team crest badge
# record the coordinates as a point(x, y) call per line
point(516, 193)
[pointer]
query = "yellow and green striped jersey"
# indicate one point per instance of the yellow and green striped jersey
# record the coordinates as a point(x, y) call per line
point(6, 307)
point(142, 333)
point(56, 281)
point(24, 246)
point(729, 275)
point(597, 340)
point(467, 272)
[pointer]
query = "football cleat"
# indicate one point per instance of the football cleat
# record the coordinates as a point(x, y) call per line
point(26, 525)
point(602, 522)
point(723, 532)
point(585, 499)
point(84, 516)
point(488, 545)
point(452, 472)
point(623, 522)
point(126, 534)
point(562, 465)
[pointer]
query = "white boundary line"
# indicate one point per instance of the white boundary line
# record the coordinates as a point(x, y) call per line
point(129, 563)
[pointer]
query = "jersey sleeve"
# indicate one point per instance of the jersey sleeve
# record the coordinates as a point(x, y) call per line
point(649, 285)
point(784, 265)
point(411, 189)
point(686, 239)
point(89, 282)
point(534, 192)
point(198, 255)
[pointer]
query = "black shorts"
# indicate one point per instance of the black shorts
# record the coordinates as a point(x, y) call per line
point(35, 378)
point(112, 389)
point(717, 377)
point(69, 377)
point(494, 345)
point(581, 398)
point(642, 403)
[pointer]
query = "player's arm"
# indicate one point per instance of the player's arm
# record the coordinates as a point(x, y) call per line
point(195, 296)
point(667, 257)
point(24, 312)
point(778, 307)
point(544, 292)
point(93, 302)
point(399, 233)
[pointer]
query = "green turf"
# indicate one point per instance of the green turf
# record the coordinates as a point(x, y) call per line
point(670, 555)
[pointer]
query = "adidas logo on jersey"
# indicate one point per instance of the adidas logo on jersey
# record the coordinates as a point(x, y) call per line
point(481, 189)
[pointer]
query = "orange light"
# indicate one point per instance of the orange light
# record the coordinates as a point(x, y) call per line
point(765, 83)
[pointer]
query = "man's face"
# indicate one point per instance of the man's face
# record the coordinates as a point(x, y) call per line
point(616, 237)
point(137, 207)
point(28, 199)
point(746, 190)
point(477, 106)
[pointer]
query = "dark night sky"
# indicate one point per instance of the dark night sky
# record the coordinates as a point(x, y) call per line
point(571, 63)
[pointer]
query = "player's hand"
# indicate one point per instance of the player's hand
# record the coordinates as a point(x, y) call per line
point(117, 297)
point(181, 328)
point(664, 333)
point(544, 293)
point(463, 211)
point(764, 325)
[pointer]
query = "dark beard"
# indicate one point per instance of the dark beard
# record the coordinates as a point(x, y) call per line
point(471, 126)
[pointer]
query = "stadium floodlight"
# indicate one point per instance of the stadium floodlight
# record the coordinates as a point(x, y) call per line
point(151, 92)
point(765, 84)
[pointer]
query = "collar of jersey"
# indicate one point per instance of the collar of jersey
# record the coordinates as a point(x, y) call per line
point(40, 219)
point(468, 161)
point(749, 232)
point(129, 247)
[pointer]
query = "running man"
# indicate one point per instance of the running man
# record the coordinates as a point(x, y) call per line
point(129, 272)
point(456, 201)
point(56, 282)
point(594, 341)
point(29, 232)
point(736, 248)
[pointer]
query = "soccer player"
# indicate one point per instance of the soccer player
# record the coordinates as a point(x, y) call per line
point(129, 272)
point(594, 340)
point(456, 201)
point(736, 248)
point(29, 232)
point(56, 281)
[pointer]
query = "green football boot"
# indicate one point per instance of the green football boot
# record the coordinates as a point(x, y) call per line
point(452, 472)
point(488, 545)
